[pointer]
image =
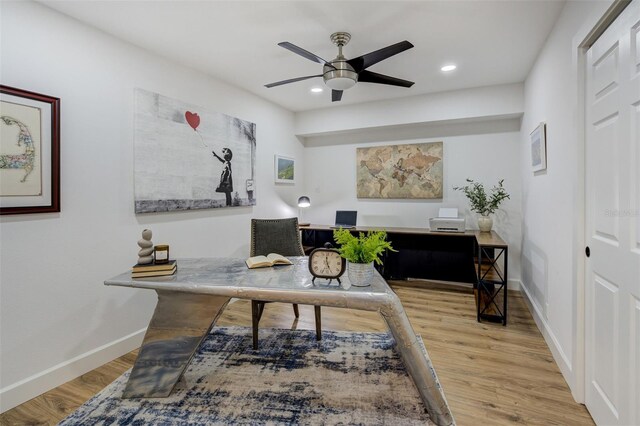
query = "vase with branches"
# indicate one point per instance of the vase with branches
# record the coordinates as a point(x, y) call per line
point(482, 202)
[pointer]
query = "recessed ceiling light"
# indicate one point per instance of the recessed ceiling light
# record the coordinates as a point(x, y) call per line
point(316, 89)
point(448, 68)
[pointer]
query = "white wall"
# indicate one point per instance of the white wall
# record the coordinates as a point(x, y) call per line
point(479, 128)
point(57, 318)
point(487, 157)
point(466, 104)
point(552, 201)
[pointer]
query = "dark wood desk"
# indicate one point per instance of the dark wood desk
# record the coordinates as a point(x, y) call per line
point(478, 258)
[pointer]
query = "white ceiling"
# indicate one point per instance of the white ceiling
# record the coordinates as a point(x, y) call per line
point(492, 42)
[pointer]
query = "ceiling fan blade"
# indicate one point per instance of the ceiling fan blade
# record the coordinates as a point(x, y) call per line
point(365, 61)
point(304, 53)
point(291, 80)
point(336, 95)
point(373, 77)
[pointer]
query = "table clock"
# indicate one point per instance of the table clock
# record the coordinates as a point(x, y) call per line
point(326, 263)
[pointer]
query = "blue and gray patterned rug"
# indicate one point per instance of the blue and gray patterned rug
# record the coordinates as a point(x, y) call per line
point(347, 378)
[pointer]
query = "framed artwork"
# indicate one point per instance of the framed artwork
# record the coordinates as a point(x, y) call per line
point(29, 152)
point(285, 169)
point(409, 171)
point(539, 148)
point(187, 158)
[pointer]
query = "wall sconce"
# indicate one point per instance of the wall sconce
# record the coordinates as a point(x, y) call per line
point(303, 203)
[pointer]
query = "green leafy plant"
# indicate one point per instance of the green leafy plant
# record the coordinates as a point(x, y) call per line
point(364, 248)
point(480, 201)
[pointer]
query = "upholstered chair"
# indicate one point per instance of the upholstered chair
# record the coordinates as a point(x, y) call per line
point(280, 236)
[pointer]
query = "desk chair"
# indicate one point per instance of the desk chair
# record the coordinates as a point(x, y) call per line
point(280, 236)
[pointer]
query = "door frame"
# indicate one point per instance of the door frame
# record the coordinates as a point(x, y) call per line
point(582, 41)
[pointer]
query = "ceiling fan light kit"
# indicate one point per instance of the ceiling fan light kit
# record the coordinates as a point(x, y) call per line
point(340, 79)
point(341, 73)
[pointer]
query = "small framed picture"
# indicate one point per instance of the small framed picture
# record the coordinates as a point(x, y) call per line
point(539, 148)
point(284, 169)
point(29, 152)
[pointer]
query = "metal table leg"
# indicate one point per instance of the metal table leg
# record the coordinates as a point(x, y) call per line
point(417, 362)
point(178, 326)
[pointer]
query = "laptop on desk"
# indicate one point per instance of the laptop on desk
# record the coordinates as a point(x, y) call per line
point(345, 219)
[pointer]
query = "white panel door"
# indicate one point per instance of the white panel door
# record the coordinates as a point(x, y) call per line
point(612, 314)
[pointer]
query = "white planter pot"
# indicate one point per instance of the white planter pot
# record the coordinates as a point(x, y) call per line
point(485, 223)
point(360, 274)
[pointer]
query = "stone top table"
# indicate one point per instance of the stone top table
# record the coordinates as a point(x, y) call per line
point(190, 302)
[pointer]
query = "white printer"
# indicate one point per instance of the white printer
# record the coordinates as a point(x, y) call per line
point(447, 221)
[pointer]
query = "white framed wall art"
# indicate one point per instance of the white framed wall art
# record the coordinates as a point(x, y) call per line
point(539, 148)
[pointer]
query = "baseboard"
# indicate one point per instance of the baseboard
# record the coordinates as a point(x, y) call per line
point(24, 390)
point(515, 285)
point(561, 359)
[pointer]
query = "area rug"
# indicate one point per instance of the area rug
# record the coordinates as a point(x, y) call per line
point(347, 378)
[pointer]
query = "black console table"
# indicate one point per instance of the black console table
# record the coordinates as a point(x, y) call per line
point(479, 258)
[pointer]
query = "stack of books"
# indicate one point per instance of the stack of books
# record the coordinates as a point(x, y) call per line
point(154, 270)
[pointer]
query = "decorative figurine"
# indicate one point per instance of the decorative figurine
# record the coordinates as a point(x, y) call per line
point(145, 255)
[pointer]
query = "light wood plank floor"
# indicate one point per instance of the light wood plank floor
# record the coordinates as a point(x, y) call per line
point(491, 374)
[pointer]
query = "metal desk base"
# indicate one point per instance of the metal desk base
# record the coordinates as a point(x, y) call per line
point(186, 311)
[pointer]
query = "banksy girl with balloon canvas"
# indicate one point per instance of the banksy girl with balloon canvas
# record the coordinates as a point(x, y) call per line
point(187, 157)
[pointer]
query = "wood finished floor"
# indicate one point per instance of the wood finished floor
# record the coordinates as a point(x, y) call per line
point(492, 375)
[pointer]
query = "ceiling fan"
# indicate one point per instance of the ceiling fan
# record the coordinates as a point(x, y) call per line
point(341, 73)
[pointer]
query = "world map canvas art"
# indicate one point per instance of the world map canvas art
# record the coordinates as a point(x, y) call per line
point(410, 171)
point(189, 158)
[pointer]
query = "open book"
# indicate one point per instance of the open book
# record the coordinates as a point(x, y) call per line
point(269, 260)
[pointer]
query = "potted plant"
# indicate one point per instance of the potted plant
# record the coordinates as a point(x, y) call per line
point(360, 253)
point(483, 203)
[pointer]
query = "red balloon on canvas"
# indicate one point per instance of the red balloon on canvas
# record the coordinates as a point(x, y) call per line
point(193, 119)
